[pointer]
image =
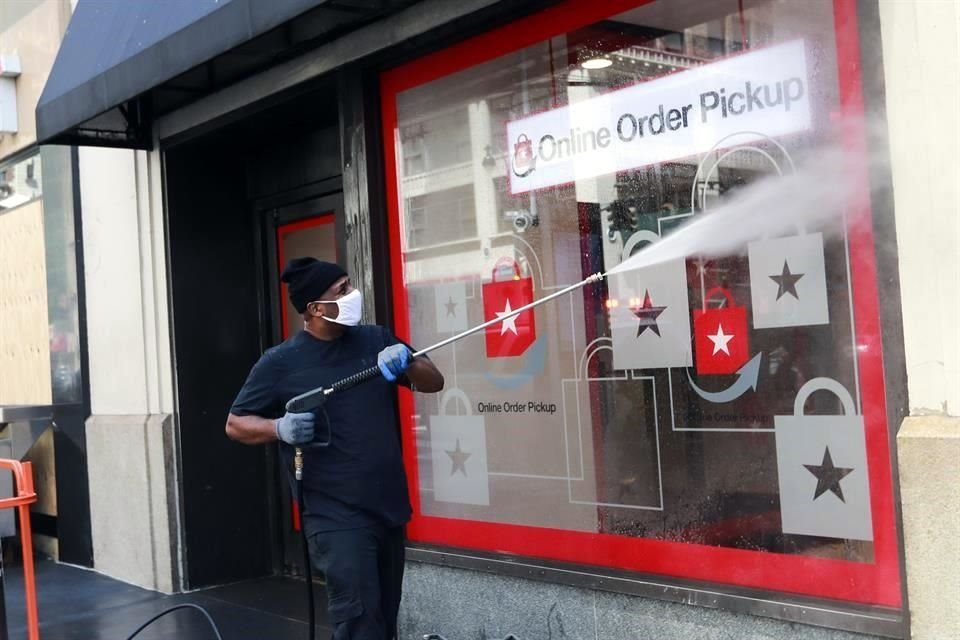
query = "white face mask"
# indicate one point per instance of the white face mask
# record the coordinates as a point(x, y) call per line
point(349, 309)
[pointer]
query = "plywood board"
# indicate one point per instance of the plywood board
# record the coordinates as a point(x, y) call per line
point(24, 332)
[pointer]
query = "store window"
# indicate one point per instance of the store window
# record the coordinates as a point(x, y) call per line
point(20, 181)
point(693, 419)
point(63, 297)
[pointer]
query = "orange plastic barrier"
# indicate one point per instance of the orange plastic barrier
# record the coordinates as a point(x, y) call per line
point(24, 497)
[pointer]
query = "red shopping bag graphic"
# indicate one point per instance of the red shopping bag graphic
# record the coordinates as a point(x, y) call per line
point(524, 161)
point(512, 336)
point(721, 342)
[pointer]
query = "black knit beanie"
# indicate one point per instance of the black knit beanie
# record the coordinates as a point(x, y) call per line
point(308, 279)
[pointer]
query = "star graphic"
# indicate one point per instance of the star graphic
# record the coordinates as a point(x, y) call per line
point(459, 459)
point(648, 315)
point(828, 476)
point(451, 307)
point(787, 282)
point(510, 324)
point(720, 340)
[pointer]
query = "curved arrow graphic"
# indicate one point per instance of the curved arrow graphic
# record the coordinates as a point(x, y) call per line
point(748, 376)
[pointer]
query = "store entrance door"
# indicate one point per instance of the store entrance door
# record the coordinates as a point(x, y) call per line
point(302, 229)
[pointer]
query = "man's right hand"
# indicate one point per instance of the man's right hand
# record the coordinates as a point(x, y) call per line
point(296, 428)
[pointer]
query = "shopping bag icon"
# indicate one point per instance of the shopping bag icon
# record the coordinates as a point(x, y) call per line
point(513, 335)
point(451, 306)
point(788, 282)
point(720, 335)
point(649, 312)
point(458, 450)
point(822, 469)
point(523, 160)
point(640, 485)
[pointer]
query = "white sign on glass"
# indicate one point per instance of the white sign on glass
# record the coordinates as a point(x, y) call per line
point(451, 306)
point(675, 116)
point(458, 446)
point(650, 313)
point(788, 282)
point(822, 469)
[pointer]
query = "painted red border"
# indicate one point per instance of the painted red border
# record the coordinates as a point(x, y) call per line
point(872, 583)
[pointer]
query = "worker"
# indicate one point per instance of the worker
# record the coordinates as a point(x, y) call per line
point(356, 501)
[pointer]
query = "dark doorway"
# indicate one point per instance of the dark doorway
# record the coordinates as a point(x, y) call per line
point(305, 226)
point(227, 191)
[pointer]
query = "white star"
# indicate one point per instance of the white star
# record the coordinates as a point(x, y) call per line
point(510, 324)
point(720, 340)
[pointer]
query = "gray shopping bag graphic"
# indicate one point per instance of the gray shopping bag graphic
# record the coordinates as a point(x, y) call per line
point(650, 313)
point(458, 450)
point(788, 284)
point(451, 306)
point(822, 469)
point(638, 463)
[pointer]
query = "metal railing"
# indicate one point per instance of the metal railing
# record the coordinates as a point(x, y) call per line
point(24, 496)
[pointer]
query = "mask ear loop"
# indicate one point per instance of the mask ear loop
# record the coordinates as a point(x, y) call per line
point(355, 294)
point(319, 302)
point(336, 302)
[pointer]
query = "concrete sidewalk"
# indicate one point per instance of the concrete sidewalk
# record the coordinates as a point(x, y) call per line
point(77, 604)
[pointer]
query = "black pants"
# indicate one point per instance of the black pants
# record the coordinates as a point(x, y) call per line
point(364, 572)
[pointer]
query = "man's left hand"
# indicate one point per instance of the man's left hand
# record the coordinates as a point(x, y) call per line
point(393, 361)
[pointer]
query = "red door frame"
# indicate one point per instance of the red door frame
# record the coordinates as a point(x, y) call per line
point(327, 217)
point(876, 583)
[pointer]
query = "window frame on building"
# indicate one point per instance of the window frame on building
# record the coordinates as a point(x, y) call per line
point(874, 588)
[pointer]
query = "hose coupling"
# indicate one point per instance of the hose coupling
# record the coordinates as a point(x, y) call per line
point(298, 463)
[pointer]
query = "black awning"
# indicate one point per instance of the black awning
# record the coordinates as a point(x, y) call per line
point(117, 50)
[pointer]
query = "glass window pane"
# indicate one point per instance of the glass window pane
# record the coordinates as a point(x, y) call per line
point(621, 408)
point(20, 182)
point(62, 294)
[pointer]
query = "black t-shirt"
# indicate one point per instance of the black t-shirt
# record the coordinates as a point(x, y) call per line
point(359, 479)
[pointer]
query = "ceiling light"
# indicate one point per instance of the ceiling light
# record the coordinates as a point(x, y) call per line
point(596, 63)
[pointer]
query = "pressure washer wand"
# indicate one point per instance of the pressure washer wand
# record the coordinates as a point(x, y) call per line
point(315, 398)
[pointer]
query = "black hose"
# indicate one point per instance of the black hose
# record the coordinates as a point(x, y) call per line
point(206, 615)
point(355, 379)
point(308, 576)
point(315, 398)
point(313, 401)
point(307, 568)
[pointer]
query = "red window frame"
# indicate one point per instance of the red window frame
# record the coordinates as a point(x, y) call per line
point(876, 583)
